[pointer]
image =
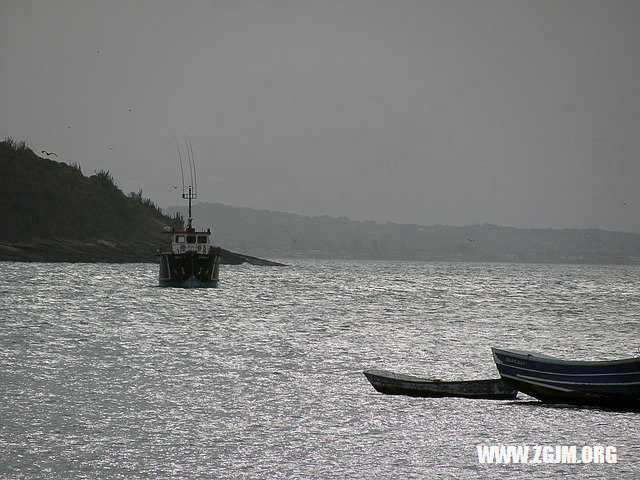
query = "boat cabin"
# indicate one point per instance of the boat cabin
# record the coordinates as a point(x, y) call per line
point(189, 240)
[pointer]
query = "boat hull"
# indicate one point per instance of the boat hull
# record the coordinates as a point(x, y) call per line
point(398, 384)
point(607, 383)
point(189, 270)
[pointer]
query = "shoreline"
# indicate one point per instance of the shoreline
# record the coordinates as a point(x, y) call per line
point(102, 251)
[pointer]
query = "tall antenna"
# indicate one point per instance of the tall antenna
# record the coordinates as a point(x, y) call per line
point(181, 169)
point(192, 187)
point(186, 143)
point(193, 160)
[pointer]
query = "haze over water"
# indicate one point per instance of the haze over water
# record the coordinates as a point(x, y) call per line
point(519, 113)
point(104, 375)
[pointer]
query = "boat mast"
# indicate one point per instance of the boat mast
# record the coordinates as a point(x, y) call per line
point(191, 195)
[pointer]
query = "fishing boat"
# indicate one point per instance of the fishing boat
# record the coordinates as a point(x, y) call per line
point(613, 383)
point(392, 383)
point(190, 261)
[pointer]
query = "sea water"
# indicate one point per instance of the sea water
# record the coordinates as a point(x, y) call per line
point(104, 375)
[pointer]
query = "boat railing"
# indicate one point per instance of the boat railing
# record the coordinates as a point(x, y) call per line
point(204, 249)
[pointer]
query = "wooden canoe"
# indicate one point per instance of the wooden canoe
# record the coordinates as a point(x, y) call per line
point(392, 383)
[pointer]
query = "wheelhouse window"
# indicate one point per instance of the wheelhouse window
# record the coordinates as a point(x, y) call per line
point(191, 239)
point(179, 238)
point(202, 239)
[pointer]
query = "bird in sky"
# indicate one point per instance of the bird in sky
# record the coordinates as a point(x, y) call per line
point(174, 186)
point(625, 204)
point(48, 154)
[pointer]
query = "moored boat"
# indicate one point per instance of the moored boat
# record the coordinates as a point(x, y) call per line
point(392, 383)
point(614, 383)
point(191, 260)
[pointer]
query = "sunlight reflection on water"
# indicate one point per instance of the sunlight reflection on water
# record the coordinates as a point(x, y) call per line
point(105, 375)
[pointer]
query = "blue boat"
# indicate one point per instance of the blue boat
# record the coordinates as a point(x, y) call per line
point(613, 383)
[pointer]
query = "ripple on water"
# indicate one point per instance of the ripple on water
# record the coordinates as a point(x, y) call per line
point(105, 375)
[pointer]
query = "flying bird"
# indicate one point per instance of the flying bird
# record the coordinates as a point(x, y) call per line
point(625, 204)
point(174, 186)
point(48, 154)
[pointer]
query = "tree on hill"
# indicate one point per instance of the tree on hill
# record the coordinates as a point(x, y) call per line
point(41, 198)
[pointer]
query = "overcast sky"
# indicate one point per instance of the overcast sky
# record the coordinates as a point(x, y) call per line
point(520, 113)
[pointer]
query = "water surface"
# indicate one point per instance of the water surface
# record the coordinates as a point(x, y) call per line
point(105, 375)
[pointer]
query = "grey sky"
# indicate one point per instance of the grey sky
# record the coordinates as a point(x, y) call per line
point(522, 113)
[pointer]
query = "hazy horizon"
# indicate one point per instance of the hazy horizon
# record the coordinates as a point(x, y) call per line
point(514, 113)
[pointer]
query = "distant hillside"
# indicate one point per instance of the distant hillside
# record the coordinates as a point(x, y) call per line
point(50, 211)
point(262, 232)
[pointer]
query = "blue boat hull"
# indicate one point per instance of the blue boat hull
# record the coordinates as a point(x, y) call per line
point(609, 383)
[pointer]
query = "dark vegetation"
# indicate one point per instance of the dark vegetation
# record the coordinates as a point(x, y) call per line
point(46, 199)
point(50, 211)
